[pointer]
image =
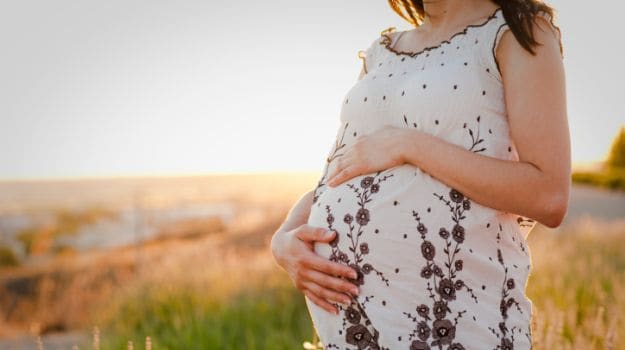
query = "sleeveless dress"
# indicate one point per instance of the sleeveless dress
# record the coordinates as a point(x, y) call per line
point(436, 270)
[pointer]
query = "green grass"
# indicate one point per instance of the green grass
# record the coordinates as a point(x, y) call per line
point(256, 317)
point(577, 287)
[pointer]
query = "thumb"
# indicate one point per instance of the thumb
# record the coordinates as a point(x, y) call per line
point(309, 233)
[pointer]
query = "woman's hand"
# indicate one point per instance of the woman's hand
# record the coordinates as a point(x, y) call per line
point(318, 278)
point(379, 150)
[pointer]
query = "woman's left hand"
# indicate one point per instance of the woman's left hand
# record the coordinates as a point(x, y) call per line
point(377, 151)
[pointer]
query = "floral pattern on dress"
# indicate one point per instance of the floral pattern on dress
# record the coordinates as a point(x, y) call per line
point(504, 333)
point(475, 137)
point(339, 145)
point(357, 327)
point(436, 323)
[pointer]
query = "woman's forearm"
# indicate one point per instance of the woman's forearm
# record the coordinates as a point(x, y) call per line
point(516, 187)
point(298, 214)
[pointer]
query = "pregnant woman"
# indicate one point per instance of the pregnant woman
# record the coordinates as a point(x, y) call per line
point(452, 144)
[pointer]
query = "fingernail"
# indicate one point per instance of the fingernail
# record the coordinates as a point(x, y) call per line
point(355, 290)
point(354, 274)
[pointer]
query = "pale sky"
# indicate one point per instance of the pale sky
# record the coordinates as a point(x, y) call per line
point(129, 87)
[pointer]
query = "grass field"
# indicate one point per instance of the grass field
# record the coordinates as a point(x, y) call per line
point(576, 288)
point(221, 289)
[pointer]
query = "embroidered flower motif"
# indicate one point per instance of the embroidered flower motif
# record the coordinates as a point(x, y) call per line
point(459, 284)
point(366, 182)
point(426, 272)
point(443, 233)
point(427, 250)
point(364, 248)
point(443, 333)
point(510, 283)
point(506, 344)
point(458, 233)
point(375, 188)
point(360, 279)
point(456, 196)
point(456, 346)
point(440, 309)
point(423, 330)
point(422, 229)
point(423, 310)
point(358, 335)
point(510, 302)
point(437, 270)
point(446, 289)
point(458, 265)
point(330, 219)
point(466, 205)
point(348, 218)
point(362, 216)
point(366, 268)
point(352, 315)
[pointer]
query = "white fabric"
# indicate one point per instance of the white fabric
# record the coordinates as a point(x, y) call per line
point(420, 245)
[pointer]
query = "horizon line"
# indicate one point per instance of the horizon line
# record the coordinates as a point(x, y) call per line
point(575, 165)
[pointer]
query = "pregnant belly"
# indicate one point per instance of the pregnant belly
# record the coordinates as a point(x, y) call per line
point(383, 219)
point(373, 216)
point(415, 241)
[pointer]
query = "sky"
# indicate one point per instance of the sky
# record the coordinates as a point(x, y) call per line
point(150, 87)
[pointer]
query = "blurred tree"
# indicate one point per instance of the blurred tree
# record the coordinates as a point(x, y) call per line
point(7, 257)
point(616, 156)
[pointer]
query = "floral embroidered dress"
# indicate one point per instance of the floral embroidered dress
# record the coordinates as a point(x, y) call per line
point(436, 269)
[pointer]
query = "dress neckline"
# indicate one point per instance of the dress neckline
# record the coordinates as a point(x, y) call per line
point(387, 41)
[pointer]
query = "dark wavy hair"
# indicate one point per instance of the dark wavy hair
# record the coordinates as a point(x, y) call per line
point(519, 14)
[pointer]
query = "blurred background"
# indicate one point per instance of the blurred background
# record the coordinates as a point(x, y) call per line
point(140, 147)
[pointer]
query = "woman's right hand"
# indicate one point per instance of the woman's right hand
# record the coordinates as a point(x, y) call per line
point(317, 277)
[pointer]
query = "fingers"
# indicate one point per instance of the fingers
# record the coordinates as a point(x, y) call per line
point(341, 163)
point(332, 268)
point(347, 173)
point(330, 285)
point(321, 303)
point(327, 294)
point(309, 233)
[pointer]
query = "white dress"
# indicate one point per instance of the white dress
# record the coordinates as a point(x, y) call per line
point(436, 269)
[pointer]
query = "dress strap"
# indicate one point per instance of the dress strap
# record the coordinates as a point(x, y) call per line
point(396, 39)
point(386, 34)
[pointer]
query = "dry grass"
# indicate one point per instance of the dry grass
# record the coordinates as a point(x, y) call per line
point(223, 290)
point(576, 287)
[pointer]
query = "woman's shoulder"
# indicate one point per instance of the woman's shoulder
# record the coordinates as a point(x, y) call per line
point(543, 26)
point(387, 34)
point(370, 54)
point(544, 32)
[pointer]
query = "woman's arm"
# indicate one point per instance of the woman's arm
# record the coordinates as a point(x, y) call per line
point(298, 214)
point(537, 186)
point(318, 278)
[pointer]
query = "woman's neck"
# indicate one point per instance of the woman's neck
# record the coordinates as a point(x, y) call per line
point(445, 15)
